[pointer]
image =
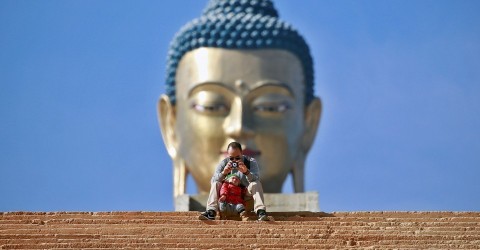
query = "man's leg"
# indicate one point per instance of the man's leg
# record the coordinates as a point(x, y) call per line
point(212, 202)
point(255, 190)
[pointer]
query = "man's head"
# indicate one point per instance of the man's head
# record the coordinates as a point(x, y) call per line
point(238, 73)
point(234, 153)
point(234, 147)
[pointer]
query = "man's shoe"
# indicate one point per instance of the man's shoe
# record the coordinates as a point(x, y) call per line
point(207, 215)
point(262, 215)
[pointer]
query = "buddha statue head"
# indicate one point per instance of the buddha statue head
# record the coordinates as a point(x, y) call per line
point(239, 73)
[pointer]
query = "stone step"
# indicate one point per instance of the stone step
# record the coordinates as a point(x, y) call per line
point(223, 245)
point(253, 224)
point(177, 230)
point(91, 220)
point(280, 234)
point(169, 246)
point(218, 230)
point(295, 233)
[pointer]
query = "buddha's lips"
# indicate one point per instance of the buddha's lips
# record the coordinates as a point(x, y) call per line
point(249, 152)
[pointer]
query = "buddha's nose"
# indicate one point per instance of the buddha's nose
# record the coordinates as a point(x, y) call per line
point(237, 125)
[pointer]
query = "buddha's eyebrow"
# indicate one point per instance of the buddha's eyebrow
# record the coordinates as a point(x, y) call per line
point(208, 84)
point(270, 83)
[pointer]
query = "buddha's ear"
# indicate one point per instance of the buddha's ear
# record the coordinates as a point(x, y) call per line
point(313, 112)
point(166, 119)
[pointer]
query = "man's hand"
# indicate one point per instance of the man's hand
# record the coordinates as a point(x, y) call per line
point(242, 168)
point(227, 169)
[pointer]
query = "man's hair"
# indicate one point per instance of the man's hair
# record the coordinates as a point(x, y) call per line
point(235, 145)
point(239, 24)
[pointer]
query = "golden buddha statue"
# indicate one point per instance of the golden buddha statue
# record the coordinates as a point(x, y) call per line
point(239, 73)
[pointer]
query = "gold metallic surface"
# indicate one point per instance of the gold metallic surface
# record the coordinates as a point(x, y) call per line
point(255, 97)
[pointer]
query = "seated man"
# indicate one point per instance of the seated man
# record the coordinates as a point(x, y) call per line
point(246, 169)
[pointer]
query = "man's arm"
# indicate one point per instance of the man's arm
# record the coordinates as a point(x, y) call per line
point(218, 176)
point(252, 174)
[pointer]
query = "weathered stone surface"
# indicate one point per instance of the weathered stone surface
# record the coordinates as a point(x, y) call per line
point(292, 230)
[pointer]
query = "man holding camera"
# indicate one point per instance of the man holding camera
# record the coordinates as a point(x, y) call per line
point(246, 169)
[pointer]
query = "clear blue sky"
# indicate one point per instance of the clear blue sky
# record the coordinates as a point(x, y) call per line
point(79, 81)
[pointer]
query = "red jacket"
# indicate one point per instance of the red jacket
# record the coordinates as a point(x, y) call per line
point(233, 193)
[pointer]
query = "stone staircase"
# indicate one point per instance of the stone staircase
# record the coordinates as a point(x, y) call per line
point(292, 230)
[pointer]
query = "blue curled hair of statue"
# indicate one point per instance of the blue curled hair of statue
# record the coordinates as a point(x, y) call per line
point(238, 24)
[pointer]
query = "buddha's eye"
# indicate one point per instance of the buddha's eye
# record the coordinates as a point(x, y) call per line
point(272, 107)
point(210, 103)
point(210, 108)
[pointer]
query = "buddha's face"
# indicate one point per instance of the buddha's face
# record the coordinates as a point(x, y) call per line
point(254, 97)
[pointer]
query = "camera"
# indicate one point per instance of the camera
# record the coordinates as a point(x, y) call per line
point(234, 165)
